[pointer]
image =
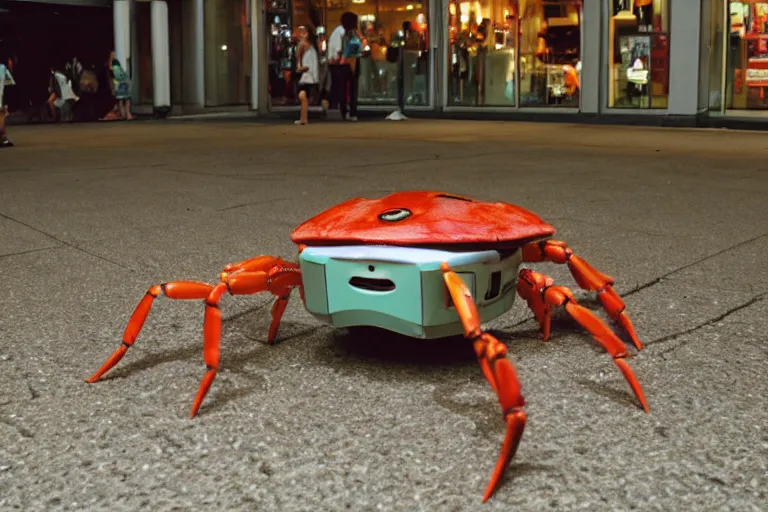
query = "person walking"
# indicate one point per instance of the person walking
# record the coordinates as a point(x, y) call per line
point(344, 49)
point(6, 79)
point(310, 71)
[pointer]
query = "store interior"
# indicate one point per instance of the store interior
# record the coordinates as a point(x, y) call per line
point(380, 23)
point(638, 36)
point(496, 43)
point(747, 56)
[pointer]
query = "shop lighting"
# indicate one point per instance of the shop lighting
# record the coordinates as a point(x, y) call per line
point(358, 1)
point(223, 47)
point(409, 7)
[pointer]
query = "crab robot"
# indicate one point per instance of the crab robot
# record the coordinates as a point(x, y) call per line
point(423, 264)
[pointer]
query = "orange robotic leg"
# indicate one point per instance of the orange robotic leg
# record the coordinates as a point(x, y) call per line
point(498, 370)
point(587, 277)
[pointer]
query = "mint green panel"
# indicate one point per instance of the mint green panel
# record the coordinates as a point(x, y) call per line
point(313, 277)
point(477, 279)
point(403, 302)
point(376, 319)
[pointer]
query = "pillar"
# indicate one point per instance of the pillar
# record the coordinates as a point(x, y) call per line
point(161, 69)
point(121, 17)
point(199, 30)
point(593, 69)
point(684, 50)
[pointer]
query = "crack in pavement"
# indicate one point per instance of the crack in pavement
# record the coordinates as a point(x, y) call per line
point(64, 242)
point(701, 260)
point(673, 336)
point(28, 251)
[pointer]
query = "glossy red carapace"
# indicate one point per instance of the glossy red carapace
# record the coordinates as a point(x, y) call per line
point(423, 218)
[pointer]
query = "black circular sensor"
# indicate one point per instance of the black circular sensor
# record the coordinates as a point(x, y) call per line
point(395, 215)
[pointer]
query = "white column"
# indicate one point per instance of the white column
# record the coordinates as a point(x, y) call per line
point(684, 50)
point(121, 15)
point(161, 69)
point(592, 67)
point(199, 30)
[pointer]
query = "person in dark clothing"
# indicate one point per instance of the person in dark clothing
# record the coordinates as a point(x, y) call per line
point(345, 70)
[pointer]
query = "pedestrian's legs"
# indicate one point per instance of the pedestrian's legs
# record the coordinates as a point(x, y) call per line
point(121, 106)
point(304, 118)
point(52, 105)
point(353, 84)
point(343, 90)
point(128, 114)
point(337, 84)
point(4, 141)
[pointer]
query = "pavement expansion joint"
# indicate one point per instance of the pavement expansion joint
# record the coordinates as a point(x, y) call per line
point(676, 335)
point(689, 265)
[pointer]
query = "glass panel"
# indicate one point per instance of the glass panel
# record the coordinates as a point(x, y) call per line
point(227, 53)
point(638, 64)
point(717, 25)
point(747, 68)
point(283, 19)
point(381, 24)
point(482, 52)
point(550, 53)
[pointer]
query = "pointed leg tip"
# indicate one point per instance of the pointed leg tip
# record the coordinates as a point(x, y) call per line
point(92, 379)
point(489, 491)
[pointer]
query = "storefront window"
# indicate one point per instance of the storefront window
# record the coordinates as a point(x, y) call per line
point(380, 23)
point(489, 39)
point(283, 18)
point(638, 64)
point(747, 64)
point(550, 53)
point(227, 53)
point(482, 52)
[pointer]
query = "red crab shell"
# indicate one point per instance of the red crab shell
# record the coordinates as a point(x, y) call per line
point(422, 218)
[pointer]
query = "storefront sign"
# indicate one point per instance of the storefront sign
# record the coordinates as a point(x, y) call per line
point(757, 77)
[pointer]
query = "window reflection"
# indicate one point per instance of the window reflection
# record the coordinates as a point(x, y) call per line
point(227, 53)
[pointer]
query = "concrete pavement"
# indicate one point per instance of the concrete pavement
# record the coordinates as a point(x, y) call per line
point(91, 215)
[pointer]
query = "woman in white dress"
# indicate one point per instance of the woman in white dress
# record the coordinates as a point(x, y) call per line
point(309, 67)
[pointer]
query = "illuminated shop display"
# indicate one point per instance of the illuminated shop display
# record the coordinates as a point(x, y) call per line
point(638, 67)
point(502, 51)
point(747, 61)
